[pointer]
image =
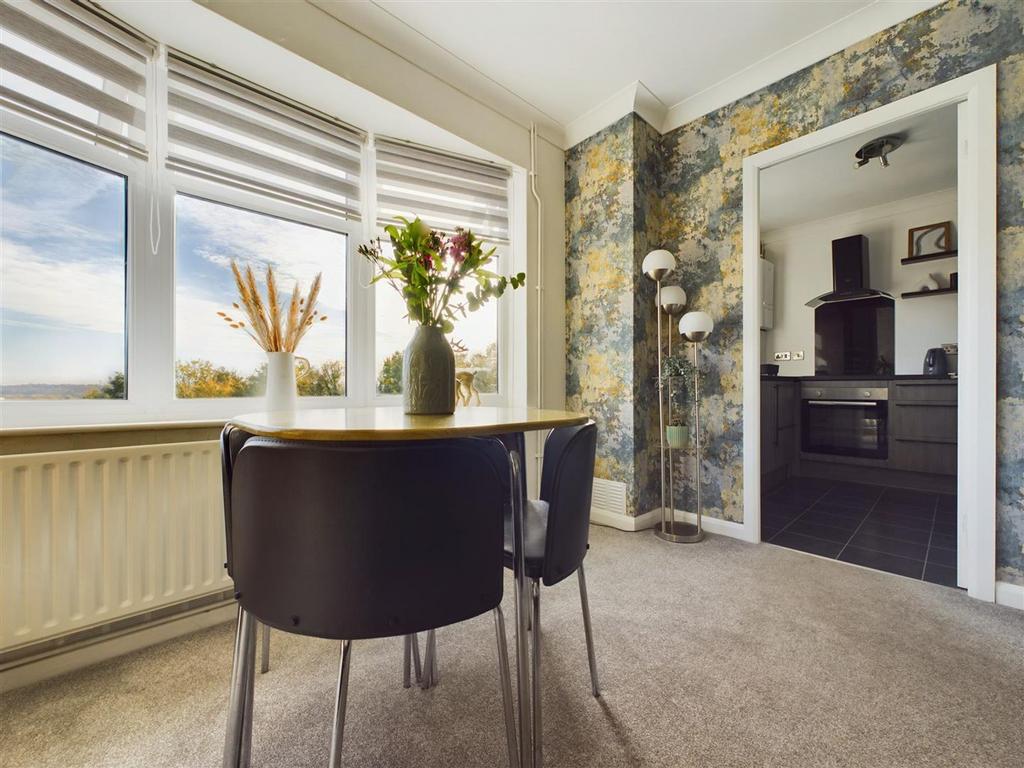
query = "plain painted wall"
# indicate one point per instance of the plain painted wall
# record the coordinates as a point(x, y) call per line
point(803, 270)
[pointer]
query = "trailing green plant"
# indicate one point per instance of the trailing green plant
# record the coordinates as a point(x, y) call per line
point(433, 272)
point(677, 366)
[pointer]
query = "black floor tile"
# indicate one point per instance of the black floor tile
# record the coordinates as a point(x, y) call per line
point(946, 529)
point(943, 540)
point(807, 544)
point(881, 561)
point(911, 549)
point(947, 502)
point(840, 510)
point(787, 511)
point(909, 498)
point(847, 523)
point(944, 557)
point(940, 574)
point(945, 516)
point(794, 496)
point(892, 531)
point(901, 519)
point(898, 508)
point(818, 530)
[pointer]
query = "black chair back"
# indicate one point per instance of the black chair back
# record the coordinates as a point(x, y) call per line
point(231, 441)
point(352, 541)
point(567, 484)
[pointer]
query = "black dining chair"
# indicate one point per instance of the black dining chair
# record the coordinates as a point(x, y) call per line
point(231, 441)
point(555, 540)
point(356, 541)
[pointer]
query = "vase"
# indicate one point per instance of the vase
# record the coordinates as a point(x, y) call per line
point(676, 435)
point(281, 390)
point(428, 373)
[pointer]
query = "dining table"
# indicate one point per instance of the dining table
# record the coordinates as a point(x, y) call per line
point(385, 423)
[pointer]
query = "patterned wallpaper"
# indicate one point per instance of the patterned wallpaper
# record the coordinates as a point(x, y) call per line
point(685, 193)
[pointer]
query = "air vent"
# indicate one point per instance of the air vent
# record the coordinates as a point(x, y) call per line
point(609, 496)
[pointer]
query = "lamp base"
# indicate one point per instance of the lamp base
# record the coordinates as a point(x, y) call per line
point(679, 533)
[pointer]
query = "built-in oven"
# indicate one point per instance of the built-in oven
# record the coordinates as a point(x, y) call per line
point(843, 420)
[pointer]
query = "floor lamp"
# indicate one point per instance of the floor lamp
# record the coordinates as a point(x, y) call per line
point(696, 327)
point(673, 303)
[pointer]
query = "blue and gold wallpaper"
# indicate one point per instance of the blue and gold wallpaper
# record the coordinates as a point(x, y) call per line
point(629, 190)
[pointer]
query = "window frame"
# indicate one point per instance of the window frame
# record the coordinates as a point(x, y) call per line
point(150, 289)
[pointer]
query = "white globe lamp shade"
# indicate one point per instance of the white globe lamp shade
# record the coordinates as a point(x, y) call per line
point(673, 299)
point(659, 263)
point(696, 326)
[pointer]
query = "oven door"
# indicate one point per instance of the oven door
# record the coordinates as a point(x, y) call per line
point(846, 427)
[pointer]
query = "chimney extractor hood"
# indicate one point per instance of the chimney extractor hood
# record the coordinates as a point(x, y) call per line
point(849, 273)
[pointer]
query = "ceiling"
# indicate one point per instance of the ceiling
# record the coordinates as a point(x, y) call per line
point(557, 62)
point(826, 183)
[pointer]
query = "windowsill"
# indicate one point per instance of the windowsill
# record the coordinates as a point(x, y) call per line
point(110, 427)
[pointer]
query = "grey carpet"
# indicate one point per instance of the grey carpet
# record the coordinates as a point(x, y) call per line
point(720, 654)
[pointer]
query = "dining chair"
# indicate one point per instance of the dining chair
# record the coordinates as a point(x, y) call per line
point(231, 441)
point(324, 542)
point(555, 541)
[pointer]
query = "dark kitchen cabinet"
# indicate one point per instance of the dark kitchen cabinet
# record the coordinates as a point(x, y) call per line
point(923, 426)
point(779, 425)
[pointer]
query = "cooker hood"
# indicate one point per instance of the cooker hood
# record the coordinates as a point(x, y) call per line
point(849, 273)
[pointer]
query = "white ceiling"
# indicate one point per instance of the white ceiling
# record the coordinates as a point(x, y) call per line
point(826, 182)
point(557, 62)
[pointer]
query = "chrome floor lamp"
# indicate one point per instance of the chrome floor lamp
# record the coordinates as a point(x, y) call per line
point(696, 327)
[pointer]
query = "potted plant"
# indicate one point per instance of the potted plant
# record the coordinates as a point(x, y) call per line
point(679, 371)
point(433, 273)
point(276, 328)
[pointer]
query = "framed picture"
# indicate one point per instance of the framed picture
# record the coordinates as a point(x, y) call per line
point(930, 240)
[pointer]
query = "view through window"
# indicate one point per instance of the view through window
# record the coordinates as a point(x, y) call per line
point(62, 276)
point(215, 360)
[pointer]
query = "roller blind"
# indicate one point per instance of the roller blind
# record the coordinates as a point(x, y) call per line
point(72, 68)
point(445, 191)
point(224, 129)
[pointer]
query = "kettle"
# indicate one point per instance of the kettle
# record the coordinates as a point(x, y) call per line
point(935, 363)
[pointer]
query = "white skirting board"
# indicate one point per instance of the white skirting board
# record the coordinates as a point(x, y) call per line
point(650, 519)
point(1010, 595)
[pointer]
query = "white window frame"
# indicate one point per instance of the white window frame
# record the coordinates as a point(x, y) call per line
point(150, 296)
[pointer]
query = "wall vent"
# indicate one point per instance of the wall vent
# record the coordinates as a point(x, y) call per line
point(609, 496)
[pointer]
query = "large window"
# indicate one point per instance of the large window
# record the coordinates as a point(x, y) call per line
point(213, 359)
point(62, 276)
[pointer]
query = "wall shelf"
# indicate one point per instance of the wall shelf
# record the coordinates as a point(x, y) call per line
point(936, 292)
point(929, 257)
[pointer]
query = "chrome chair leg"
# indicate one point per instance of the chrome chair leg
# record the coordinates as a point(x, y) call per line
point(338, 733)
point(407, 661)
point(538, 732)
point(591, 658)
point(430, 674)
point(416, 665)
point(239, 732)
point(506, 688)
point(265, 649)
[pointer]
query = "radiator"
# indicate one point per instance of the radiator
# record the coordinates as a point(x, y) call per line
point(90, 537)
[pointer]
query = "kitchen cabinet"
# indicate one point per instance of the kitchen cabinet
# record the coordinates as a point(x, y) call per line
point(923, 426)
point(779, 425)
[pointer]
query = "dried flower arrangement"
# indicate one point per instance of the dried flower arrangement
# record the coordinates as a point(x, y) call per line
point(265, 317)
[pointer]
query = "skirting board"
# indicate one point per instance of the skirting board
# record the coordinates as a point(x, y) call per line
point(653, 518)
point(36, 669)
point(1010, 595)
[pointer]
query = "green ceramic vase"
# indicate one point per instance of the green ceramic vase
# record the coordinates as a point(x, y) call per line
point(428, 373)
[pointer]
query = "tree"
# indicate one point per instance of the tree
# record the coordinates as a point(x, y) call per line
point(201, 378)
point(389, 380)
point(112, 390)
point(328, 379)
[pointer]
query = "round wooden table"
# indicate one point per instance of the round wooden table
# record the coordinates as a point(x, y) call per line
point(390, 423)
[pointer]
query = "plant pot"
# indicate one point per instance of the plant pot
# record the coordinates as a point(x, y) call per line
point(281, 391)
point(676, 436)
point(428, 373)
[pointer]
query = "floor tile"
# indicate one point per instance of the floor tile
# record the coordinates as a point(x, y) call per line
point(839, 510)
point(943, 540)
point(880, 561)
point(898, 518)
point(893, 531)
point(819, 530)
point(842, 522)
point(946, 529)
point(911, 549)
point(794, 496)
point(945, 516)
point(940, 574)
point(807, 544)
point(909, 498)
point(787, 511)
point(947, 502)
point(899, 508)
point(940, 556)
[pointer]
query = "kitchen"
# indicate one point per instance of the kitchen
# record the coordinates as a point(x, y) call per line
point(859, 351)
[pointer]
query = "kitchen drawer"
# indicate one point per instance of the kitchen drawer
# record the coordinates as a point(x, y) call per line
point(940, 391)
point(924, 421)
point(787, 404)
point(915, 456)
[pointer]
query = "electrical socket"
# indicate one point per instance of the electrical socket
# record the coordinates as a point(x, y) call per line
point(798, 355)
point(781, 356)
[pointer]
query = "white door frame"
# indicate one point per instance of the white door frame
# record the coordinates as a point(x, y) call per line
point(976, 309)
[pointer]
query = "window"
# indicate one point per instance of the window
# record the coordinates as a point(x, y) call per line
point(215, 360)
point(62, 276)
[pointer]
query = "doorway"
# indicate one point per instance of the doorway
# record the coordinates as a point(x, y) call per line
point(959, 511)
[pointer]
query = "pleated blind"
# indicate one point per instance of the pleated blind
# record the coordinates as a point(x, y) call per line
point(223, 129)
point(72, 68)
point(443, 190)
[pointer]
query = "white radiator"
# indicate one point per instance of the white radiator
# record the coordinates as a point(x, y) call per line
point(89, 537)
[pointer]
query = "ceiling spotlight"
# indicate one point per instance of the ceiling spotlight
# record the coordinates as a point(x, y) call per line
point(880, 148)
